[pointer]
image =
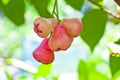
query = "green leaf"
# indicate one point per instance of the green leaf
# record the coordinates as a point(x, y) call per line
point(9, 77)
point(43, 70)
point(82, 71)
point(87, 71)
point(54, 78)
point(41, 6)
point(114, 64)
point(118, 42)
point(94, 23)
point(97, 1)
point(95, 75)
point(21, 77)
point(117, 75)
point(76, 4)
point(14, 10)
point(93, 72)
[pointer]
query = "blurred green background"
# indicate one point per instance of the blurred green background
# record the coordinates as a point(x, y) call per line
point(94, 55)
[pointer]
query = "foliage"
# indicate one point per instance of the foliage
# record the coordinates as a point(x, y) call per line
point(87, 70)
point(41, 6)
point(16, 22)
point(114, 64)
point(76, 4)
point(14, 8)
point(94, 23)
point(82, 70)
point(43, 70)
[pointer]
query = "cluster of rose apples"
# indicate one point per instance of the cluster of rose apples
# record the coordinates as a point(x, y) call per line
point(57, 36)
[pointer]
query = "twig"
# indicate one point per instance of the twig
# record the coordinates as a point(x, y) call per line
point(55, 10)
point(105, 10)
point(117, 1)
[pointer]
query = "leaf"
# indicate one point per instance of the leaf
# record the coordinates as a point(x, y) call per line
point(94, 23)
point(95, 75)
point(82, 71)
point(41, 6)
point(14, 10)
point(97, 1)
point(43, 70)
point(114, 64)
point(21, 77)
point(76, 4)
point(54, 78)
point(118, 42)
point(87, 71)
point(9, 77)
point(116, 75)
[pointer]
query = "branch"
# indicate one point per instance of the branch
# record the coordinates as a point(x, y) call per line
point(105, 10)
point(117, 1)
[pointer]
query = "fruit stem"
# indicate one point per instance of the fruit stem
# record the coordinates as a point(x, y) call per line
point(55, 10)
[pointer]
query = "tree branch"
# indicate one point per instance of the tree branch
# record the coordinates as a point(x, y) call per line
point(117, 1)
point(105, 10)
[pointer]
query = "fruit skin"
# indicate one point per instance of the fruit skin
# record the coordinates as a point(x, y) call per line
point(54, 22)
point(42, 27)
point(72, 26)
point(43, 53)
point(59, 39)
